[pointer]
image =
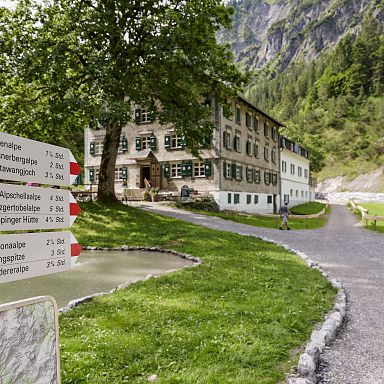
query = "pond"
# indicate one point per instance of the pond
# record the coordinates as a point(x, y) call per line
point(95, 271)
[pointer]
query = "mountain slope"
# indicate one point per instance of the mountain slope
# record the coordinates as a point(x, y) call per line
point(273, 34)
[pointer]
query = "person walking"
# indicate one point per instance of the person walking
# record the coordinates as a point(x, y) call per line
point(284, 212)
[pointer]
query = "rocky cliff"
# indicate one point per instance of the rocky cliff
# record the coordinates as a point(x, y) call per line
point(272, 34)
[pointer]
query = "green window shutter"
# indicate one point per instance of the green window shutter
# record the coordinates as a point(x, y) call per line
point(225, 168)
point(274, 179)
point(186, 169)
point(225, 139)
point(207, 168)
point(91, 175)
point(258, 175)
point(241, 172)
point(92, 147)
point(167, 170)
point(124, 144)
point(137, 116)
point(234, 170)
point(138, 143)
point(167, 141)
point(123, 173)
point(153, 142)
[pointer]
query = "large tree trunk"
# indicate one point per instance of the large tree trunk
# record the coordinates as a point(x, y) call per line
point(106, 188)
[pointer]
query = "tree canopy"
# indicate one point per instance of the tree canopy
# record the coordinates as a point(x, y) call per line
point(66, 63)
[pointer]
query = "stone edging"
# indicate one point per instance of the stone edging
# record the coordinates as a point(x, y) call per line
point(310, 358)
point(75, 302)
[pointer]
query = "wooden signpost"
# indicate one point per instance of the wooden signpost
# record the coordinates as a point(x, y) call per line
point(25, 255)
point(25, 208)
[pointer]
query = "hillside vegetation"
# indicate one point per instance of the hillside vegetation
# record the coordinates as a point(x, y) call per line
point(334, 105)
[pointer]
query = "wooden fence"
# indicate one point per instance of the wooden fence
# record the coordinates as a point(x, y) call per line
point(365, 214)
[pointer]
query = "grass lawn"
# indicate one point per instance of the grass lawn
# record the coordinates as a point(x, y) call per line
point(376, 209)
point(240, 317)
point(270, 222)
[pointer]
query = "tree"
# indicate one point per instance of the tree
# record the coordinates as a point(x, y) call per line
point(97, 58)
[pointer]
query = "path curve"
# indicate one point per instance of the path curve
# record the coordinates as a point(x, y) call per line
point(352, 255)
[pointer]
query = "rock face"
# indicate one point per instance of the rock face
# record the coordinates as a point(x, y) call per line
point(28, 348)
point(280, 32)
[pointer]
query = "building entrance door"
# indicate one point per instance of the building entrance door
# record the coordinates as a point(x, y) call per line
point(145, 174)
point(156, 175)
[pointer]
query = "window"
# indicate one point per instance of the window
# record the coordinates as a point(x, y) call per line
point(267, 177)
point(306, 173)
point(236, 198)
point(274, 178)
point(273, 155)
point(306, 194)
point(249, 199)
point(291, 192)
point(286, 198)
point(297, 193)
point(284, 166)
point(248, 146)
point(249, 174)
point(142, 116)
point(176, 141)
point(238, 115)
point(266, 130)
point(248, 120)
point(176, 170)
point(274, 133)
point(239, 172)
point(256, 199)
point(256, 124)
point(302, 194)
point(120, 173)
point(145, 142)
point(227, 170)
point(266, 153)
point(257, 177)
point(236, 143)
point(256, 149)
point(99, 147)
point(299, 171)
point(227, 140)
point(229, 198)
point(269, 199)
point(292, 169)
point(199, 169)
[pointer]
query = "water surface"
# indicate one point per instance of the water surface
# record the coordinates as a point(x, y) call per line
point(95, 271)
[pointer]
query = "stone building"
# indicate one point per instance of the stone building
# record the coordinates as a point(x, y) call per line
point(239, 168)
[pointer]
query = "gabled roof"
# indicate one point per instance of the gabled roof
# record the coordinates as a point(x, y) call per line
point(243, 99)
point(143, 155)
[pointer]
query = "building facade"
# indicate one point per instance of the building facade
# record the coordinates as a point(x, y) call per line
point(296, 182)
point(239, 168)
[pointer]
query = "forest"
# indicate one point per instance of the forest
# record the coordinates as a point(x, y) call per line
point(333, 105)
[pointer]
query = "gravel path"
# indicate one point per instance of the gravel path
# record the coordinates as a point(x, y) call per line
point(355, 257)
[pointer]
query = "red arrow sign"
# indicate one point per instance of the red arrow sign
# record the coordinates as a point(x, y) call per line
point(33, 161)
point(29, 208)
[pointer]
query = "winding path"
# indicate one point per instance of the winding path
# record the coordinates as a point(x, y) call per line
point(352, 255)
